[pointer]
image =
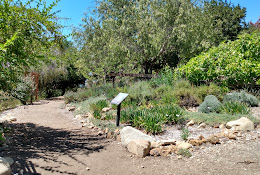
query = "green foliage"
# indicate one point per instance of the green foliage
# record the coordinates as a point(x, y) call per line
point(210, 104)
point(84, 106)
point(232, 64)
point(27, 32)
point(82, 94)
point(242, 97)
point(214, 118)
point(140, 92)
point(204, 90)
point(140, 36)
point(151, 120)
point(184, 153)
point(7, 101)
point(24, 89)
point(97, 108)
point(166, 76)
point(235, 107)
point(185, 133)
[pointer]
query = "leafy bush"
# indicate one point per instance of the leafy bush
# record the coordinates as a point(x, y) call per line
point(166, 76)
point(140, 92)
point(204, 90)
point(7, 101)
point(78, 96)
point(24, 89)
point(186, 97)
point(231, 64)
point(241, 97)
point(210, 104)
point(235, 107)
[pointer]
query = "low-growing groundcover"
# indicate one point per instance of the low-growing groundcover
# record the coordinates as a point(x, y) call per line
point(153, 110)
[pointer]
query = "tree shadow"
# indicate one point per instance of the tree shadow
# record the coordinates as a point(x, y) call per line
point(30, 141)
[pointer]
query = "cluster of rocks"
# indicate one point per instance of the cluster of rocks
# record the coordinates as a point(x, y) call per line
point(142, 145)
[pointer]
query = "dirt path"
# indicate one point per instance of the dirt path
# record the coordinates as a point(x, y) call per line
point(48, 140)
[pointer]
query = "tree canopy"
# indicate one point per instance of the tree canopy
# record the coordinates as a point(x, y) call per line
point(27, 32)
point(143, 35)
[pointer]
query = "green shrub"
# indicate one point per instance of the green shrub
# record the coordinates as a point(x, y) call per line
point(235, 107)
point(166, 76)
point(184, 153)
point(24, 89)
point(242, 97)
point(232, 63)
point(140, 92)
point(186, 97)
point(210, 104)
point(7, 101)
point(204, 90)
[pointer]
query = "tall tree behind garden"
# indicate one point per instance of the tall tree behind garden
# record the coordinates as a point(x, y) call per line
point(27, 30)
point(139, 36)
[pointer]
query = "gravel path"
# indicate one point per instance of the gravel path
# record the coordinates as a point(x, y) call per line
point(48, 140)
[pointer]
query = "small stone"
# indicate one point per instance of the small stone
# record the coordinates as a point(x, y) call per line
point(197, 142)
point(100, 133)
point(184, 145)
point(190, 123)
point(239, 134)
point(232, 136)
point(179, 157)
point(141, 148)
point(87, 168)
point(216, 126)
point(155, 152)
point(156, 144)
point(110, 135)
point(117, 131)
point(213, 139)
point(118, 138)
point(202, 125)
point(222, 126)
point(168, 142)
point(106, 130)
point(72, 108)
point(106, 109)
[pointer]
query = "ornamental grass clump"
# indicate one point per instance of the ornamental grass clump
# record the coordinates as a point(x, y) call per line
point(235, 107)
point(210, 104)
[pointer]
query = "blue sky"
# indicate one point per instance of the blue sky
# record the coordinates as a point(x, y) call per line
point(75, 9)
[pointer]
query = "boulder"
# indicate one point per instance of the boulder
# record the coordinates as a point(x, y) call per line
point(129, 134)
point(140, 148)
point(4, 167)
point(242, 124)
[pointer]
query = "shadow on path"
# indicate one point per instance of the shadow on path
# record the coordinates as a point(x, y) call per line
point(52, 147)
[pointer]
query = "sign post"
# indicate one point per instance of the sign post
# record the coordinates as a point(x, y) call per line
point(117, 101)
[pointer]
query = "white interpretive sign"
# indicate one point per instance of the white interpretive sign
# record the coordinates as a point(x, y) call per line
point(119, 98)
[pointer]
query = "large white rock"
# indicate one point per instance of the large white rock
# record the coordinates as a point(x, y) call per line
point(141, 148)
point(184, 145)
point(129, 134)
point(4, 167)
point(242, 124)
